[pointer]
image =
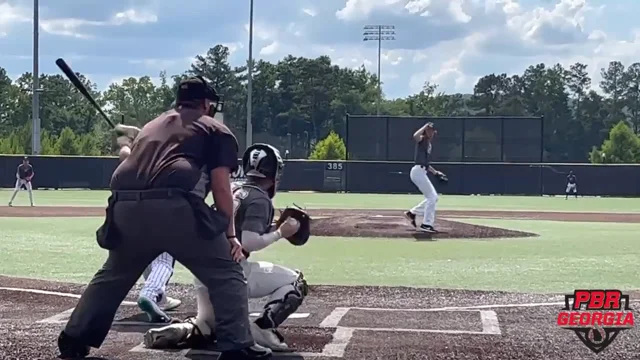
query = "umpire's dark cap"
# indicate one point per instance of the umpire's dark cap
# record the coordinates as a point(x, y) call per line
point(195, 88)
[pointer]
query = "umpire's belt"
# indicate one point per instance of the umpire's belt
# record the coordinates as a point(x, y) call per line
point(154, 194)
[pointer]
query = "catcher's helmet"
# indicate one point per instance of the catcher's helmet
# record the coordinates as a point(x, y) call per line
point(263, 161)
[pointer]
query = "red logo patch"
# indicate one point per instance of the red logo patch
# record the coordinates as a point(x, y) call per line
point(596, 316)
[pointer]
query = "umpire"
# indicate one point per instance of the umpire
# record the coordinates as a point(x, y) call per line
point(157, 205)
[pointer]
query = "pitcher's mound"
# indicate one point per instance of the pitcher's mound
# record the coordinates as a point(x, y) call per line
point(366, 225)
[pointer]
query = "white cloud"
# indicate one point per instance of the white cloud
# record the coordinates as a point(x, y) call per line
point(134, 16)
point(270, 49)
point(73, 27)
point(10, 15)
point(310, 12)
point(262, 31)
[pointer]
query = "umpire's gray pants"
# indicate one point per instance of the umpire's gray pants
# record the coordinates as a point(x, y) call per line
point(149, 228)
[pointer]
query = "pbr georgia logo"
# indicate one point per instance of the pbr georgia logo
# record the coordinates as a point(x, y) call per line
point(596, 316)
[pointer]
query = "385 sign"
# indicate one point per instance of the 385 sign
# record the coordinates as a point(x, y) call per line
point(596, 316)
point(335, 166)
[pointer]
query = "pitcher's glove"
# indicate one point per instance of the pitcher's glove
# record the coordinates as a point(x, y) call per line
point(304, 231)
point(442, 177)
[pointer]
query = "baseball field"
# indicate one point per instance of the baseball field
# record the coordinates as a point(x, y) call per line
point(490, 286)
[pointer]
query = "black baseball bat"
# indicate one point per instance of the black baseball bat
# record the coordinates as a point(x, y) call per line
point(80, 86)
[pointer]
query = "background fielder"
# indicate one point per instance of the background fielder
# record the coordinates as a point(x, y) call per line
point(418, 175)
point(24, 174)
point(572, 185)
point(284, 287)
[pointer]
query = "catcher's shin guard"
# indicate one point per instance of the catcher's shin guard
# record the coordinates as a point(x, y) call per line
point(278, 310)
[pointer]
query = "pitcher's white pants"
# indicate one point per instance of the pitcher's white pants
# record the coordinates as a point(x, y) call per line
point(263, 279)
point(19, 183)
point(427, 207)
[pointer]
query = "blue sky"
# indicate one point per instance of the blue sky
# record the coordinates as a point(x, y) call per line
point(448, 42)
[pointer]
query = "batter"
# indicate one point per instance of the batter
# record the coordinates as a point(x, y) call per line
point(418, 175)
point(284, 287)
point(24, 174)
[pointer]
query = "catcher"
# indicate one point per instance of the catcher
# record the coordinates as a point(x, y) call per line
point(284, 287)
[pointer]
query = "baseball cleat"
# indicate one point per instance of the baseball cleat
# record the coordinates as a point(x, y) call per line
point(427, 229)
point(10, 205)
point(411, 217)
point(153, 311)
point(168, 303)
point(269, 338)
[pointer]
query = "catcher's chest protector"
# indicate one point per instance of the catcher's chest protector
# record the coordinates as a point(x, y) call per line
point(249, 200)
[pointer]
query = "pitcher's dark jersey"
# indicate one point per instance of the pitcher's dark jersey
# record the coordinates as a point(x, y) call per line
point(422, 154)
point(177, 150)
point(253, 209)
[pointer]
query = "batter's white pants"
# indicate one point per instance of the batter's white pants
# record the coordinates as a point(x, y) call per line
point(427, 207)
point(19, 183)
point(263, 279)
point(157, 276)
point(572, 188)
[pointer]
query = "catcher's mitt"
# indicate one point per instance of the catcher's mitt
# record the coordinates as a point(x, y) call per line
point(442, 177)
point(300, 237)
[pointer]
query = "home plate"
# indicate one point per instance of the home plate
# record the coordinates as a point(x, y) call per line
point(292, 316)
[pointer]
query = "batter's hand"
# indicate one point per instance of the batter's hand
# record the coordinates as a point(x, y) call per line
point(289, 227)
point(236, 249)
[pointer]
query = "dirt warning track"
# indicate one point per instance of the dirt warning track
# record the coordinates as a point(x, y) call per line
point(334, 323)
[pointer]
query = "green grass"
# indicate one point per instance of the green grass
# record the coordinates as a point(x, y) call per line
point(370, 201)
point(566, 256)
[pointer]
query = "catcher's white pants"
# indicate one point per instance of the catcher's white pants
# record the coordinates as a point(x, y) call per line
point(19, 183)
point(263, 279)
point(156, 276)
point(572, 188)
point(427, 207)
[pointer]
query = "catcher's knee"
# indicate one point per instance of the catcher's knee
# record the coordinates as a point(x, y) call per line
point(279, 309)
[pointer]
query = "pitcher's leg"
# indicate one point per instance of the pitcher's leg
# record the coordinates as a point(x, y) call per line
point(430, 206)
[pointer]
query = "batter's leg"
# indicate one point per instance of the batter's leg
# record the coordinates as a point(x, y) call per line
point(15, 191)
point(29, 189)
point(152, 299)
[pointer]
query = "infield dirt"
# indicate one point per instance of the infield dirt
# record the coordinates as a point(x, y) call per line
point(334, 323)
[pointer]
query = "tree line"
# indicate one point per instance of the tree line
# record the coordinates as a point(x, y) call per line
point(298, 101)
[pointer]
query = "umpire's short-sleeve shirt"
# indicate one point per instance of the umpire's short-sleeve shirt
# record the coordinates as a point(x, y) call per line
point(177, 150)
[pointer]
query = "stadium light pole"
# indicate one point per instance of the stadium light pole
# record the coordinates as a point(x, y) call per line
point(379, 33)
point(35, 106)
point(249, 135)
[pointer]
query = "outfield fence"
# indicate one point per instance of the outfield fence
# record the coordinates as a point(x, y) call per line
point(459, 139)
point(59, 172)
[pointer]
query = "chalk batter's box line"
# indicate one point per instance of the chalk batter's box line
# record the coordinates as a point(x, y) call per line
point(63, 317)
point(334, 349)
point(488, 318)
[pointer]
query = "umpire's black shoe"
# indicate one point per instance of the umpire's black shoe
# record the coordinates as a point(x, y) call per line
point(255, 352)
point(71, 348)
